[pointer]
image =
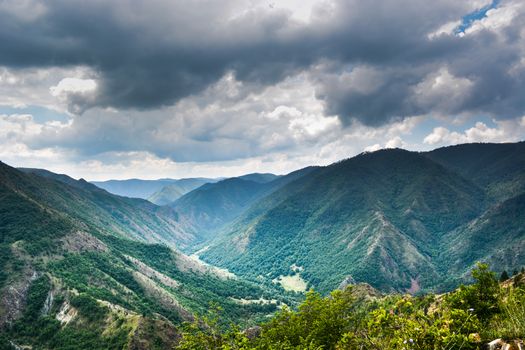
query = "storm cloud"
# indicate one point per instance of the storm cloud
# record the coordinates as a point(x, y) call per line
point(372, 61)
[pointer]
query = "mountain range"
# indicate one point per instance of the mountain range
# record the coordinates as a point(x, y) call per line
point(93, 267)
point(398, 220)
point(160, 192)
point(71, 251)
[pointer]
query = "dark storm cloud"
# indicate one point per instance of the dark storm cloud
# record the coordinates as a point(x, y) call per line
point(152, 54)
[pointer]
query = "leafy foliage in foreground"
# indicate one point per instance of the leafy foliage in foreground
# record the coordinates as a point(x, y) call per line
point(464, 319)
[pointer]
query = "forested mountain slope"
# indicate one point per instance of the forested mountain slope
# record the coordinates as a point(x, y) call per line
point(130, 217)
point(392, 218)
point(77, 272)
point(497, 168)
point(207, 209)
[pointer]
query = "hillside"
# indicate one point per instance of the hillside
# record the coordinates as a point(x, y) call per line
point(497, 168)
point(258, 177)
point(92, 268)
point(212, 206)
point(173, 191)
point(482, 315)
point(96, 208)
point(77, 263)
point(496, 237)
point(384, 218)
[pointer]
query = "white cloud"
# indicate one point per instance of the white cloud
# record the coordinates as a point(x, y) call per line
point(373, 148)
point(497, 18)
point(446, 29)
point(25, 10)
point(20, 88)
point(504, 131)
point(73, 85)
point(396, 142)
point(77, 93)
point(442, 91)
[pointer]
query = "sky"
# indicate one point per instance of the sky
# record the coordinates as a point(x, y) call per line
point(153, 89)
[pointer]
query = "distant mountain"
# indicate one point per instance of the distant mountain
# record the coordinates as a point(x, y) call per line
point(260, 178)
point(170, 193)
point(212, 206)
point(77, 269)
point(133, 188)
point(166, 191)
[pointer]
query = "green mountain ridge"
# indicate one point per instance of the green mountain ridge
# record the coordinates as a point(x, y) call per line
point(384, 218)
point(214, 205)
point(173, 191)
point(78, 263)
point(86, 269)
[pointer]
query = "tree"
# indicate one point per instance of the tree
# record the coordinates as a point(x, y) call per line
point(504, 276)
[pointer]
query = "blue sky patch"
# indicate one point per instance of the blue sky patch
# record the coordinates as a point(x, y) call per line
point(467, 20)
point(40, 114)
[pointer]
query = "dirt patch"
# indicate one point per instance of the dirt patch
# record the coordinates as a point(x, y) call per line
point(293, 283)
point(80, 241)
point(195, 264)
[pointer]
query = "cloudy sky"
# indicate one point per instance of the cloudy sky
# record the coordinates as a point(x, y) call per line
point(126, 88)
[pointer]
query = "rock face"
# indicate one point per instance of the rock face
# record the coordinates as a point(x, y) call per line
point(500, 344)
point(349, 280)
point(253, 332)
point(13, 298)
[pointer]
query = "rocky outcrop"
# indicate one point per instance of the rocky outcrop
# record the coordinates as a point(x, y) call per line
point(349, 280)
point(500, 344)
point(13, 298)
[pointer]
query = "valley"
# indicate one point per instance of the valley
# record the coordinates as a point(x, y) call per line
point(93, 269)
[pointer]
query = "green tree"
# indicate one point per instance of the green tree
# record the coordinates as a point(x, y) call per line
point(482, 297)
point(504, 276)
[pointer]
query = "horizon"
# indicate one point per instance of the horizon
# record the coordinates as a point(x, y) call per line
point(243, 174)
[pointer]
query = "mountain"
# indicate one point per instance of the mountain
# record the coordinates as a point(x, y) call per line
point(130, 217)
point(170, 193)
point(387, 218)
point(495, 237)
point(133, 188)
point(497, 168)
point(258, 177)
point(212, 206)
point(82, 268)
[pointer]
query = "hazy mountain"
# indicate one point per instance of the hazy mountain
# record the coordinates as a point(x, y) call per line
point(212, 206)
point(166, 191)
point(74, 262)
point(170, 193)
point(133, 188)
